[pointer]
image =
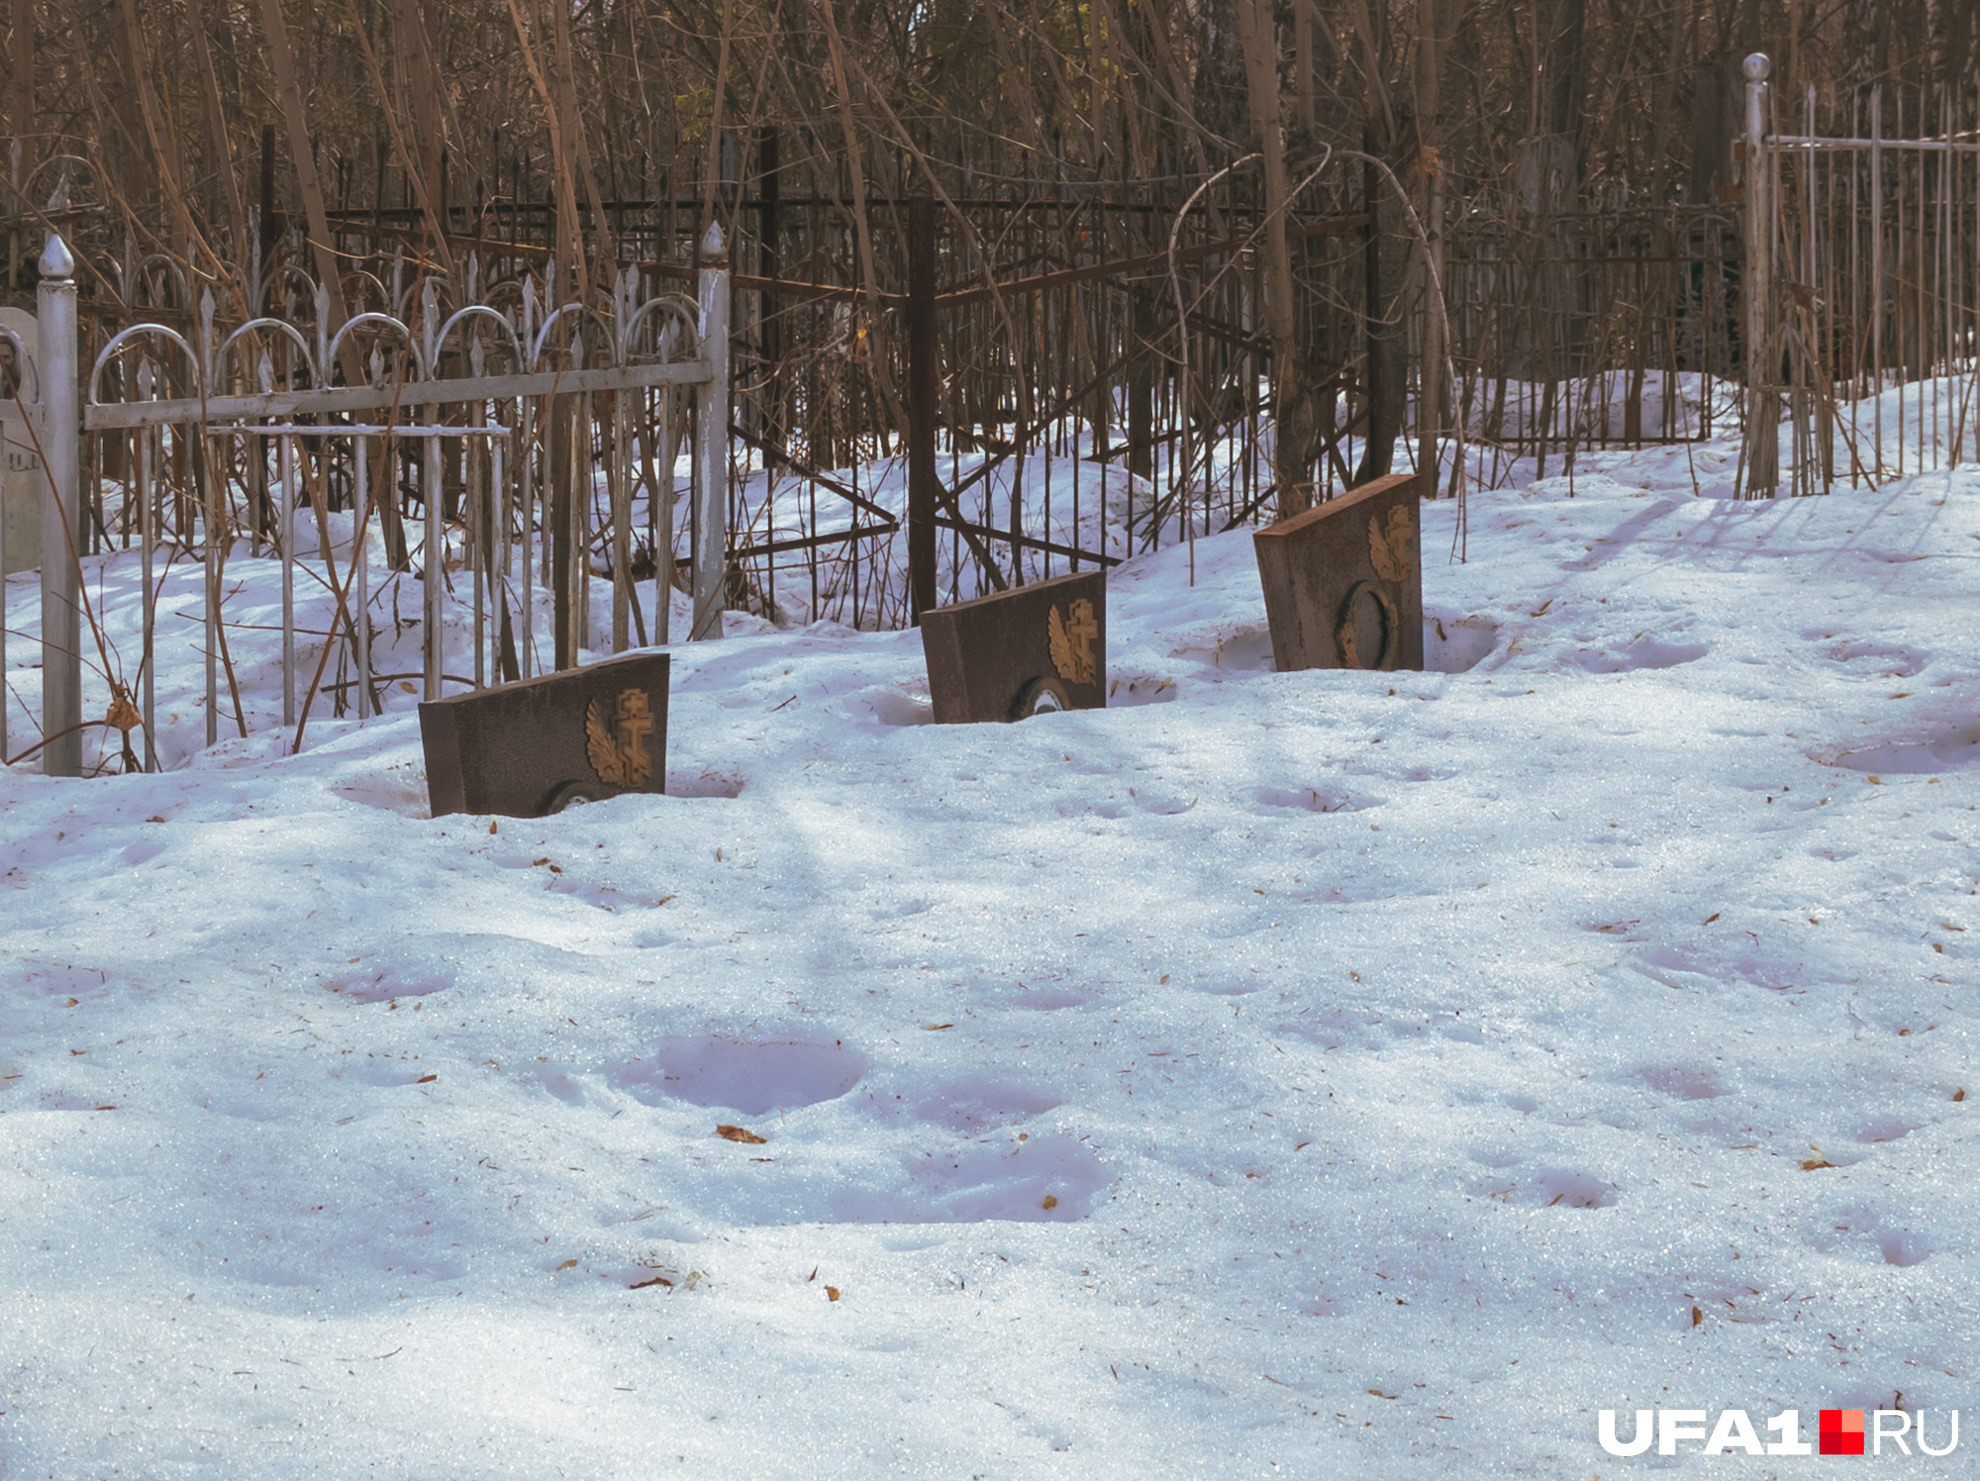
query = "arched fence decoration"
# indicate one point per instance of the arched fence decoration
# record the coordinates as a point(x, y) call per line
point(378, 399)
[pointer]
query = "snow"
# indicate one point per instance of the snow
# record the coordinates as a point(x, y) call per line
point(1316, 1074)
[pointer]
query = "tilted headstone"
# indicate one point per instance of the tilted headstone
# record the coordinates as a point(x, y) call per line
point(1018, 653)
point(1344, 581)
point(21, 481)
point(529, 749)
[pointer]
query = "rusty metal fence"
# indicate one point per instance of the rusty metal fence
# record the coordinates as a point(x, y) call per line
point(1862, 295)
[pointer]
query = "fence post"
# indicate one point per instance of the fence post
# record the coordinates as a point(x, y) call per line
point(922, 378)
point(711, 465)
point(1763, 412)
point(61, 513)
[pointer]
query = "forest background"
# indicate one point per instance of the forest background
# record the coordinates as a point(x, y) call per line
point(602, 133)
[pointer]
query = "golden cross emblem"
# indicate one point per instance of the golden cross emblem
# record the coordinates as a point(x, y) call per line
point(617, 751)
point(1072, 642)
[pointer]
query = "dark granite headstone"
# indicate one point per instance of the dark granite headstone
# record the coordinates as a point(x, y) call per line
point(1344, 581)
point(1018, 653)
point(524, 750)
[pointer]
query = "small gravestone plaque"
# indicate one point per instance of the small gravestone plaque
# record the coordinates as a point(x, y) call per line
point(525, 750)
point(21, 481)
point(1017, 653)
point(1344, 581)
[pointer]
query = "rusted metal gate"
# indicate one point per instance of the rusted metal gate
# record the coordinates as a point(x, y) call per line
point(1861, 301)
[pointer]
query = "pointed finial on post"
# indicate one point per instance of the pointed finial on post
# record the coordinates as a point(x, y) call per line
point(1757, 67)
point(713, 247)
point(57, 261)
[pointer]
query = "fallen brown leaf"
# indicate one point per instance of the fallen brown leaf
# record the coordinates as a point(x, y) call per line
point(937, 1027)
point(1960, 1094)
point(1051, 1201)
point(1697, 1316)
point(568, 1265)
point(831, 1293)
point(740, 1134)
point(426, 1079)
point(658, 1280)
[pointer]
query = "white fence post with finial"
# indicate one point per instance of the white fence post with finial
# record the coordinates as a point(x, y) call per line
point(1763, 406)
point(61, 514)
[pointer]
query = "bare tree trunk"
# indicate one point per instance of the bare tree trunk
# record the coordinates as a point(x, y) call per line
point(216, 131)
point(280, 61)
point(1296, 446)
point(574, 131)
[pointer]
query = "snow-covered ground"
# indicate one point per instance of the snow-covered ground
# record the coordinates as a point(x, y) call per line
point(1323, 1074)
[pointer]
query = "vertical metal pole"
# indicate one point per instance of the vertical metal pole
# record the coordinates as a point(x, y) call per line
point(148, 544)
point(361, 580)
point(584, 480)
point(211, 522)
point(526, 500)
point(435, 556)
point(922, 376)
point(477, 497)
point(1898, 294)
point(1948, 268)
point(1973, 388)
point(3, 608)
point(210, 534)
point(21, 369)
point(286, 505)
point(618, 488)
point(61, 514)
point(711, 468)
point(1877, 278)
point(435, 559)
point(560, 498)
point(672, 409)
point(1825, 435)
point(1762, 404)
point(498, 587)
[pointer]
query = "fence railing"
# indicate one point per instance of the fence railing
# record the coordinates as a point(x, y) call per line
point(1862, 287)
point(483, 419)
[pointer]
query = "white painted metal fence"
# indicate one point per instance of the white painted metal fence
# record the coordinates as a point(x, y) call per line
point(376, 399)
